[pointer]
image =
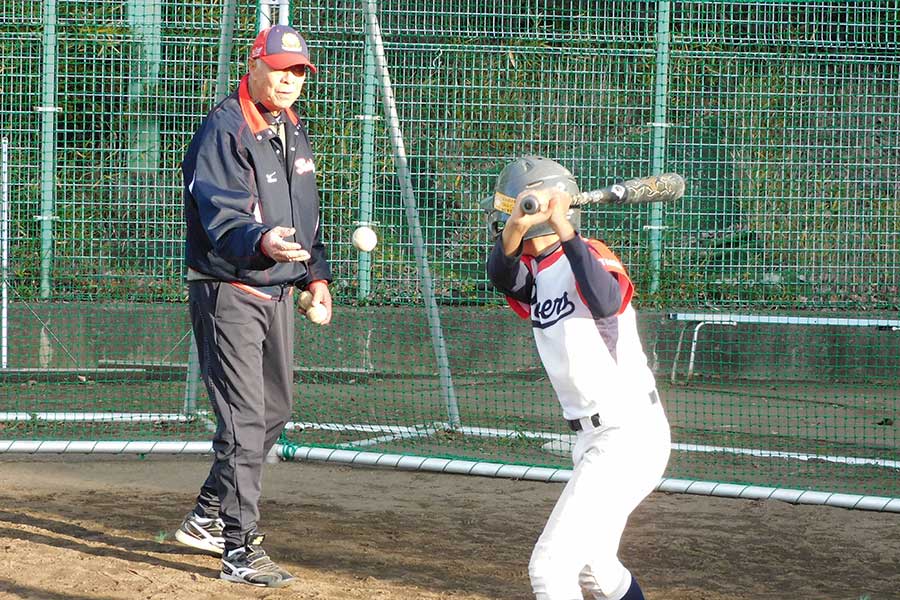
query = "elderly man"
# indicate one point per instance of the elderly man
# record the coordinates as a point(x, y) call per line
point(251, 206)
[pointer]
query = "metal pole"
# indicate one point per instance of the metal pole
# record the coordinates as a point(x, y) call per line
point(48, 111)
point(264, 12)
point(373, 31)
point(4, 254)
point(263, 15)
point(367, 166)
point(660, 99)
point(226, 37)
point(145, 19)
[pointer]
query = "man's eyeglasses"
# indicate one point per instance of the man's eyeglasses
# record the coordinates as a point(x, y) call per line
point(299, 70)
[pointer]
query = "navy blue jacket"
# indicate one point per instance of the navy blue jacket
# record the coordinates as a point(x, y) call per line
point(237, 187)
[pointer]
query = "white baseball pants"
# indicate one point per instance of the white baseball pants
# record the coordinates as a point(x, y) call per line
point(614, 470)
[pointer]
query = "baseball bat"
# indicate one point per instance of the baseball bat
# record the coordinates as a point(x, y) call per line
point(656, 188)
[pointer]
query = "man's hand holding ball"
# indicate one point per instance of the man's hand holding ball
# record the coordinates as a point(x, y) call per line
point(315, 303)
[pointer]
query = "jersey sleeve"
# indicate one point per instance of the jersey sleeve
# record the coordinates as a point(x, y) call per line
point(511, 275)
point(516, 303)
point(613, 265)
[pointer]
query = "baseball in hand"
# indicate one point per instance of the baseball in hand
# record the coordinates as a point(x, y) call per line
point(315, 312)
point(364, 239)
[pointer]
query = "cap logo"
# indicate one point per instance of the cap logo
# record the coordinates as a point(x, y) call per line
point(291, 43)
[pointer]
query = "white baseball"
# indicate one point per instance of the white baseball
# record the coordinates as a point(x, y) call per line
point(364, 239)
point(305, 299)
point(315, 311)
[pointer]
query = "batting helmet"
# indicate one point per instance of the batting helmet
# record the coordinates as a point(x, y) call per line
point(528, 172)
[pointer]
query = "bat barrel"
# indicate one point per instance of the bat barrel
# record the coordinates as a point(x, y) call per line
point(659, 188)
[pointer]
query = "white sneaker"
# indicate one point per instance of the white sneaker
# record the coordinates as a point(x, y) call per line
point(202, 533)
point(250, 564)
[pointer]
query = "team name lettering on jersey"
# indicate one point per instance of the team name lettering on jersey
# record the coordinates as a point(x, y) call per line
point(549, 311)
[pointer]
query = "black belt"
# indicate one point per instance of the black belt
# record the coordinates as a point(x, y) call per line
point(575, 424)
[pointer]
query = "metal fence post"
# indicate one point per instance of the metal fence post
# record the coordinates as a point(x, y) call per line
point(48, 111)
point(659, 125)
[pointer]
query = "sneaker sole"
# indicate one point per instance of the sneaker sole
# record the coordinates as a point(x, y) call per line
point(193, 542)
point(235, 579)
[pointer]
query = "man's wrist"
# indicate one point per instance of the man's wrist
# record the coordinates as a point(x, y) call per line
point(262, 246)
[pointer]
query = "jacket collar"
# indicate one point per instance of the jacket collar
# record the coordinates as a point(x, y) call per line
point(251, 114)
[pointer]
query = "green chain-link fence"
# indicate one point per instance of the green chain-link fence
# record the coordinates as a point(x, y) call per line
point(784, 118)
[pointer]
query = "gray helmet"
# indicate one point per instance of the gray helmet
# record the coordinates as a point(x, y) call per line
point(523, 173)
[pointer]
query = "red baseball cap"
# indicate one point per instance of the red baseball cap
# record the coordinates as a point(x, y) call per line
point(281, 47)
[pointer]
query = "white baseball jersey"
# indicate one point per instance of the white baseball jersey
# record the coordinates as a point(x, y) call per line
point(595, 365)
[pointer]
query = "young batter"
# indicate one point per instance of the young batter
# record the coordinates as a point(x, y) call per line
point(577, 295)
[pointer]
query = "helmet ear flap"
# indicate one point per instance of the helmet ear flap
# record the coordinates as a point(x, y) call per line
point(496, 227)
point(494, 219)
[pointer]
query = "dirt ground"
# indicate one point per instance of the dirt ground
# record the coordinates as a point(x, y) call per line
point(100, 528)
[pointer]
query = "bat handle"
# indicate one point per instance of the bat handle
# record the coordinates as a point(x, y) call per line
point(529, 204)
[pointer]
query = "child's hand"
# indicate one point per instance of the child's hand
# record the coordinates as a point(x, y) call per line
point(523, 221)
point(552, 207)
point(559, 204)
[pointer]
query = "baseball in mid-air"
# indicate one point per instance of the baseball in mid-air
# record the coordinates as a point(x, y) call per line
point(315, 312)
point(364, 239)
